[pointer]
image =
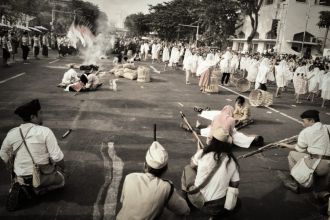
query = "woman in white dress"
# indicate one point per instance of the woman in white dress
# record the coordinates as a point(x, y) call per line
point(314, 82)
point(281, 74)
point(252, 68)
point(263, 74)
point(165, 56)
point(325, 86)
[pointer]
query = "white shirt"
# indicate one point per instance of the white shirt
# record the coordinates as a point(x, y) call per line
point(314, 139)
point(70, 76)
point(39, 139)
point(217, 186)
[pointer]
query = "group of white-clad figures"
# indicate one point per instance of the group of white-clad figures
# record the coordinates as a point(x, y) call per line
point(309, 76)
point(209, 183)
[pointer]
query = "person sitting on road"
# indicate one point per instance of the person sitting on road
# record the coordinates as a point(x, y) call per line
point(77, 86)
point(313, 143)
point(69, 77)
point(93, 82)
point(148, 196)
point(40, 147)
point(214, 170)
point(241, 112)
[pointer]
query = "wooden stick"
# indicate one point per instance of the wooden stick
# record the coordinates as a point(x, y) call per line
point(201, 144)
point(155, 134)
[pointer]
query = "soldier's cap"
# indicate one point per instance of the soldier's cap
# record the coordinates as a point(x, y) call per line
point(28, 109)
point(310, 114)
point(156, 156)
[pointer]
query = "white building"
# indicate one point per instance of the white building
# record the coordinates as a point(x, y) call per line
point(294, 17)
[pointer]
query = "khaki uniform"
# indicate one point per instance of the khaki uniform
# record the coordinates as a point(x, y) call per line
point(242, 113)
point(144, 197)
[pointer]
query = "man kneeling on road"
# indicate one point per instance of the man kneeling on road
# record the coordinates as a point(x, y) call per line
point(314, 147)
point(147, 196)
point(26, 147)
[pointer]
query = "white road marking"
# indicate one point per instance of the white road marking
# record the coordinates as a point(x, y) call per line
point(57, 67)
point(180, 104)
point(117, 173)
point(293, 105)
point(13, 77)
point(269, 112)
point(113, 169)
point(229, 100)
point(270, 108)
point(54, 61)
point(328, 113)
point(155, 70)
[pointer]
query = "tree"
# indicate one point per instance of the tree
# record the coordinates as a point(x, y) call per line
point(251, 8)
point(137, 24)
point(166, 17)
point(218, 20)
point(324, 23)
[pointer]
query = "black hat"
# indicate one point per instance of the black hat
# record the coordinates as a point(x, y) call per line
point(25, 111)
point(313, 114)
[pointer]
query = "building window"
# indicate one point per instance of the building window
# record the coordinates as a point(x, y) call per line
point(270, 46)
point(324, 2)
point(271, 35)
point(269, 2)
point(256, 36)
point(255, 48)
point(240, 46)
point(241, 35)
point(300, 37)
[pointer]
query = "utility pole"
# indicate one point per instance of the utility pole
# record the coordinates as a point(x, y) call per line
point(193, 26)
point(304, 36)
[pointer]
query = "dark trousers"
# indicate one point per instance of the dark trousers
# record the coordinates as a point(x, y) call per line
point(263, 87)
point(45, 50)
point(25, 51)
point(225, 78)
point(36, 51)
point(5, 56)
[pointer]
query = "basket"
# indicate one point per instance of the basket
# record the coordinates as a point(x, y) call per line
point(243, 85)
point(234, 78)
point(214, 85)
point(260, 98)
point(132, 74)
point(143, 74)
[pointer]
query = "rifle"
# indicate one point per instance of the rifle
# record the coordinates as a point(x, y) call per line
point(192, 130)
point(270, 146)
point(155, 135)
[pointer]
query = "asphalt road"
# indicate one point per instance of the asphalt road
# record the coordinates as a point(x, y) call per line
point(95, 167)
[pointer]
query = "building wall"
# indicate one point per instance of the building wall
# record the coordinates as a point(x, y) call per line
point(292, 15)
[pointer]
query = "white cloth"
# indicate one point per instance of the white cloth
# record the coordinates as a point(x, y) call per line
point(239, 138)
point(326, 86)
point(217, 186)
point(234, 64)
point(252, 69)
point(193, 63)
point(314, 82)
point(314, 139)
point(154, 51)
point(69, 77)
point(40, 139)
point(166, 54)
point(175, 56)
point(225, 63)
point(282, 74)
point(93, 81)
point(187, 60)
point(263, 72)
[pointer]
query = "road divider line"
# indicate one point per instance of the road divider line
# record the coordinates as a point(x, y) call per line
point(13, 77)
point(270, 108)
point(180, 104)
point(54, 61)
point(155, 70)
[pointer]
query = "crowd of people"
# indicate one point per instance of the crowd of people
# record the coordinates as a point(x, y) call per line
point(36, 42)
point(309, 76)
point(210, 182)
